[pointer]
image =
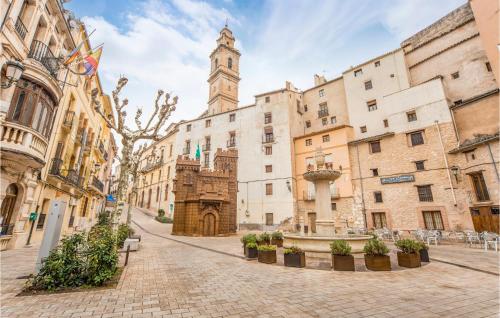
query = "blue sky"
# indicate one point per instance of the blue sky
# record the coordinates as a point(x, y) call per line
point(166, 43)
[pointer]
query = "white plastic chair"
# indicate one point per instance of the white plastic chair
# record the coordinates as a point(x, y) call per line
point(490, 239)
point(433, 236)
point(471, 238)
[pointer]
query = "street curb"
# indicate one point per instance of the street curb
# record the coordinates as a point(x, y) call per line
point(464, 266)
point(190, 244)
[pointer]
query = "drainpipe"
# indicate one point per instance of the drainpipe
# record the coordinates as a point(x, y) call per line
point(446, 163)
point(493, 161)
point(362, 190)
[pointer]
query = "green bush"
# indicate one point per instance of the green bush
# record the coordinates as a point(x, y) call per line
point(163, 219)
point(408, 246)
point(277, 235)
point(102, 256)
point(251, 245)
point(123, 232)
point(265, 248)
point(340, 247)
point(104, 218)
point(422, 246)
point(63, 267)
point(292, 250)
point(161, 212)
point(375, 247)
point(264, 238)
point(248, 238)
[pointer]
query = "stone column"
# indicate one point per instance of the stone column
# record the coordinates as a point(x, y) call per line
point(20, 233)
point(324, 220)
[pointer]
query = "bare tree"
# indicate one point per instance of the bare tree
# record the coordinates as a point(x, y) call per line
point(129, 160)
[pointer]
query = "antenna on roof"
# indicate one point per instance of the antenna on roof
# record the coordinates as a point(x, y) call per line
point(226, 23)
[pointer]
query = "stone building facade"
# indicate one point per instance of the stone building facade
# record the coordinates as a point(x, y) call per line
point(205, 200)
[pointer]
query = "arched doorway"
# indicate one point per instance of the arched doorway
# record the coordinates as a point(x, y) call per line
point(8, 209)
point(209, 225)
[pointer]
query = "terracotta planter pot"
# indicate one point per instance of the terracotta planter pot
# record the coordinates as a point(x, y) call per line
point(268, 257)
point(410, 260)
point(343, 262)
point(295, 260)
point(378, 262)
point(424, 255)
point(251, 252)
point(278, 242)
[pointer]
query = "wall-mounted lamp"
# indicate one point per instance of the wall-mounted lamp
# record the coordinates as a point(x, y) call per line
point(456, 172)
point(288, 185)
point(13, 72)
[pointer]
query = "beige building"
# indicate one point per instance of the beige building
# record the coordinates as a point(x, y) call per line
point(157, 171)
point(53, 145)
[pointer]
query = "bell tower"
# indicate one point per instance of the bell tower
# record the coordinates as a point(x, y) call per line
point(224, 74)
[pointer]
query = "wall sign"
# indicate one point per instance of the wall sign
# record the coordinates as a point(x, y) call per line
point(398, 179)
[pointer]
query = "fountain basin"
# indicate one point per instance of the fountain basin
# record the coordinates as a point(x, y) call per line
point(323, 174)
point(319, 246)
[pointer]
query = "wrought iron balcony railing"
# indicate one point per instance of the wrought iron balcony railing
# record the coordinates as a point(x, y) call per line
point(69, 119)
point(206, 147)
point(152, 165)
point(322, 113)
point(267, 138)
point(21, 29)
point(71, 176)
point(96, 183)
point(231, 143)
point(41, 52)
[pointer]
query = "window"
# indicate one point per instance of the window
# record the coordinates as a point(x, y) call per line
point(392, 75)
point(333, 120)
point(323, 110)
point(308, 124)
point(43, 214)
point(269, 219)
point(374, 172)
point(166, 192)
point(358, 73)
point(375, 147)
point(326, 138)
point(305, 108)
point(433, 220)
point(363, 129)
point(334, 206)
point(187, 148)
point(230, 63)
point(269, 188)
point(455, 75)
point(208, 123)
point(321, 92)
point(377, 63)
point(412, 116)
point(378, 196)
point(171, 150)
point(457, 102)
point(480, 186)
point(419, 165)
point(268, 134)
point(488, 67)
point(268, 118)
point(417, 138)
point(206, 160)
point(470, 155)
point(157, 194)
point(309, 142)
point(324, 121)
point(269, 150)
point(372, 105)
point(232, 139)
point(368, 85)
point(379, 220)
point(232, 117)
point(268, 99)
point(425, 193)
point(386, 123)
point(269, 168)
point(188, 127)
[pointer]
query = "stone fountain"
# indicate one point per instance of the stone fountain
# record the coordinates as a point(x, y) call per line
point(318, 244)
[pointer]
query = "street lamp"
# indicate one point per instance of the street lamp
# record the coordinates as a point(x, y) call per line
point(13, 72)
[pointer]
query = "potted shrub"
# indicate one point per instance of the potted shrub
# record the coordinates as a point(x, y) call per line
point(263, 239)
point(342, 260)
point(251, 250)
point(375, 256)
point(277, 239)
point(408, 253)
point(247, 238)
point(423, 250)
point(294, 257)
point(267, 254)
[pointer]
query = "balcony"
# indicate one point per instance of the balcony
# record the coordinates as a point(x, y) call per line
point(322, 113)
point(96, 184)
point(152, 165)
point(186, 150)
point(206, 147)
point(17, 140)
point(231, 143)
point(267, 138)
point(79, 135)
point(40, 52)
point(308, 196)
point(7, 229)
point(21, 29)
point(69, 119)
point(69, 177)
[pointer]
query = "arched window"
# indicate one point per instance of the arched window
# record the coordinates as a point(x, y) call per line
point(32, 106)
point(230, 63)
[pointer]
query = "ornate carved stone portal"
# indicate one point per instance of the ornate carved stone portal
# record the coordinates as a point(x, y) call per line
point(205, 200)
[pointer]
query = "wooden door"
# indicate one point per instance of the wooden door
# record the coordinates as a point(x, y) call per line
point(7, 210)
point(485, 219)
point(312, 222)
point(209, 225)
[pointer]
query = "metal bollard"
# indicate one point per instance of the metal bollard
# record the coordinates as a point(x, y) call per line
point(126, 256)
